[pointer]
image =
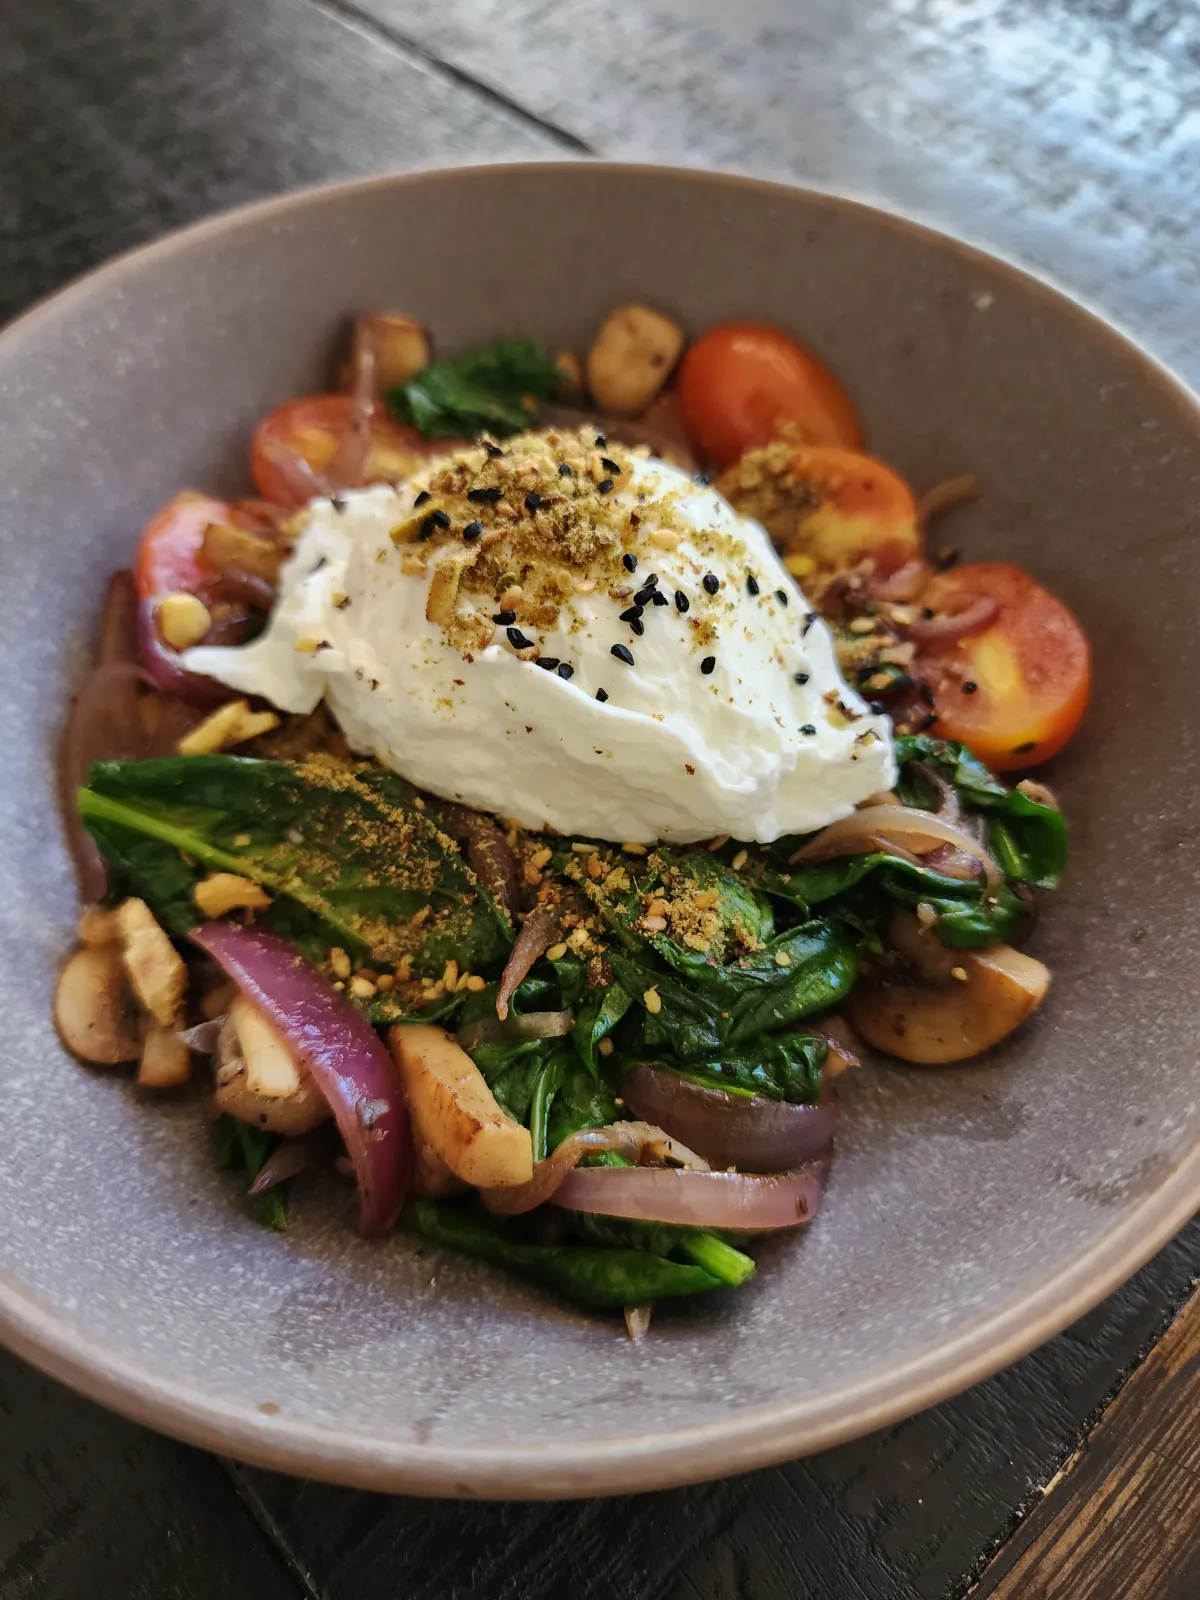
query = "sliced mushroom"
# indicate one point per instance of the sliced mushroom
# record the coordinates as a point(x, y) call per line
point(97, 926)
point(454, 1112)
point(94, 1008)
point(397, 346)
point(154, 966)
point(259, 1080)
point(166, 1059)
point(961, 1003)
point(631, 358)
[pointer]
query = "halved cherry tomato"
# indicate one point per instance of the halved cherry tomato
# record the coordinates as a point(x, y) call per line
point(741, 381)
point(1017, 691)
point(828, 509)
point(168, 558)
point(312, 430)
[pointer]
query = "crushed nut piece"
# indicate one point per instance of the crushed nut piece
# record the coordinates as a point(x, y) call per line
point(229, 891)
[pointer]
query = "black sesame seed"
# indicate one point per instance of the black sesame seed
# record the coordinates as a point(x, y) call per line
point(493, 450)
point(548, 662)
point(682, 603)
point(645, 595)
point(629, 562)
point(601, 695)
point(423, 498)
point(604, 486)
point(532, 500)
point(927, 612)
point(799, 677)
point(505, 618)
point(703, 479)
point(601, 441)
point(638, 626)
point(809, 618)
point(659, 598)
point(564, 469)
point(622, 653)
point(651, 580)
point(428, 526)
point(711, 583)
point(518, 640)
point(781, 596)
point(440, 519)
point(926, 692)
point(338, 503)
point(708, 665)
point(807, 727)
point(610, 465)
point(928, 722)
point(472, 531)
point(484, 497)
point(969, 688)
point(566, 670)
point(634, 613)
point(752, 584)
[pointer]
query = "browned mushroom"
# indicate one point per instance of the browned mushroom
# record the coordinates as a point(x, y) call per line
point(947, 1005)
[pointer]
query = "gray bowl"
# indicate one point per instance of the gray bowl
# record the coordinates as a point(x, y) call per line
point(972, 1212)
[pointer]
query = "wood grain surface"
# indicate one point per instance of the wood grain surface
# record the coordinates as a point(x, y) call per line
point(1061, 131)
point(1124, 1516)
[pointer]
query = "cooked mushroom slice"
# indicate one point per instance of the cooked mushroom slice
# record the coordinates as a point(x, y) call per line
point(94, 1009)
point(166, 1058)
point(631, 358)
point(454, 1112)
point(960, 1003)
point(155, 967)
point(258, 1079)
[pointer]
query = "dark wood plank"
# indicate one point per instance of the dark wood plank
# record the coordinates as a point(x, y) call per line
point(907, 1514)
point(119, 121)
point(1056, 131)
point(1124, 1516)
point(94, 1508)
point(1063, 133)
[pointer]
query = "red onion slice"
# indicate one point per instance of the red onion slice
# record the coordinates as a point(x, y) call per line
point(118, 621)
point(163, 665)
point(539, 931)
point(729, 1130)
point(347, 1059)
point(491, 856)
point(640, 1140)
point(863, 830)
point(103, 724)
point(976, 616)
point(513, 1030)
point(737, 1201)
point(292, 1156)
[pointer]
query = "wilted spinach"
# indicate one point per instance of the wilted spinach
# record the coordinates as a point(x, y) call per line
point(591, 1276)
point(493, 390)
point(242, 1148)
point(349, 860)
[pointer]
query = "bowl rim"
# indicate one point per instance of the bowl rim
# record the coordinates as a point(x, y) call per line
point(747, 1439)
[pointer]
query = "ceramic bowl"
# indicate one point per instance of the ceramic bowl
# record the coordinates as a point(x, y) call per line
point(972, 1212)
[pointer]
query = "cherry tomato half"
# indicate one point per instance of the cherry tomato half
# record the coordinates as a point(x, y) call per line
point(310, 431)
point(828, 509)
point(1015, 692)
point(741, 381)
point(168, 558)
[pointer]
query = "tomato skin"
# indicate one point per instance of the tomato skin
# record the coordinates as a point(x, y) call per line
point(1031, 668)
point(314, 427)
point(168, 558)
point(742, 380)
point(829, 509)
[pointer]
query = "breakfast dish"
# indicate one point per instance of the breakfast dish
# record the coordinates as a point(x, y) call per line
point(532, 799)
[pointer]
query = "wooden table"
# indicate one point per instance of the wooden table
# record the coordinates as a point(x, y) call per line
point(1064, 132)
